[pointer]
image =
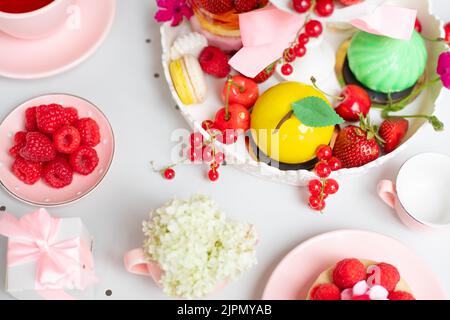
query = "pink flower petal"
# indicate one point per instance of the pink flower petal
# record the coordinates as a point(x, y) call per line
point(163, 16)
point(177, 18)
point(187, 12)
point(443, 63)
point(164, 4)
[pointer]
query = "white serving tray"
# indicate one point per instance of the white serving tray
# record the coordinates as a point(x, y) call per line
point(237, 154)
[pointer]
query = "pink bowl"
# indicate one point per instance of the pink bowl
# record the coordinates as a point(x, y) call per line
point(41, 194)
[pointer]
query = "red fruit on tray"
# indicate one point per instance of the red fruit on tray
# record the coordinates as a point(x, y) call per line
point(348, 272)
point(355, 101)
point(240, 90)
point(245, 5)
point(217, 6)
point(229, 136)
point(58, 173)
point(238, 118)
point(355, 147)
point(313, 28)
point(301, 6)
point(392, 131)
point(214, 62)
point(84, 160)
point(71, 115)
point(327, 291)
point(363, 297)
point(401, 295)
point(50, 118)
point(385, 275)
point(67, 139)
point(30, 119)
point(264, 75)
point(349, 2)
point(324, 8)
point(89, 132)
point(27, 171)
point(38, 147)
point(19, 143)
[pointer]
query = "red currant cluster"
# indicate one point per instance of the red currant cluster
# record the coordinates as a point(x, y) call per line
point(321, 188)
point(201, 150)
point(311, 29)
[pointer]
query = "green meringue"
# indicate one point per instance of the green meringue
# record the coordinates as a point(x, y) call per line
point(387, 65)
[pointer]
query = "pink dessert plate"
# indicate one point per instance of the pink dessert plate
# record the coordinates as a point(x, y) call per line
point(40, 194)
point(65, 49)
point(293, 277)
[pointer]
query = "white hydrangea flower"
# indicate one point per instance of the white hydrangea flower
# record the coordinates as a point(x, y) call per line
point(197, 247)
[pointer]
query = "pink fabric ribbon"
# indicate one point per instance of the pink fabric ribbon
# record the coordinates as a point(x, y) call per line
point(59, 264)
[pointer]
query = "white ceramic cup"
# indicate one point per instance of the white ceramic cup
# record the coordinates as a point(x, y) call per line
point(36, 24)
point(420, 195)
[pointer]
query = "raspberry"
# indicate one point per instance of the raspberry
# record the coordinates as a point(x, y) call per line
point(89, 132)
point(348, 272)
point(67, 139)
point(401, 295)
point(27, 171)
point(38, 147)
point(84, 160)
point(50, 118)
point(19, 143)
point(71, 115)
point(326, 291)
point(217, 6)
point(214, 62)
point(389, 276)
point(58, 173)
point(30, 119)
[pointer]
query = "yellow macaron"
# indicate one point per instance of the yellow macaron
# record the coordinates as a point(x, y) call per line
point(188, 79)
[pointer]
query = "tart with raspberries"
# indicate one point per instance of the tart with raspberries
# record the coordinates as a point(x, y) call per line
point(356, 279)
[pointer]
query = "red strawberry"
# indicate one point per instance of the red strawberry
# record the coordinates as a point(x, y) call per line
point(217, 6)
point(58, 173)
point(245, 5)
point(67, 139)
point(84, 160)
point(356, 147)
point(89, 132)
point(265, 74)
point(38, 147)
point(27, 171)
point(50, 118)
point(214, 62)
point(30, 119)
point(71, 115)
point(392, 131)
point(19, 143)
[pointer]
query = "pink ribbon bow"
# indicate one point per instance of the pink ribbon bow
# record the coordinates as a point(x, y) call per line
point(58, 264)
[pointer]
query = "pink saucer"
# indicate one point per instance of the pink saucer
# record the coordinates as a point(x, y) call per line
point(40, 194)
point(295, 274)
point(31, 59)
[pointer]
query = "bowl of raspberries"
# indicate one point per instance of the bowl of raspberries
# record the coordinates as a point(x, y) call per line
point(54, 149)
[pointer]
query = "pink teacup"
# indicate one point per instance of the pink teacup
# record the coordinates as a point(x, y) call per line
point(420, 193)
point(39, 23)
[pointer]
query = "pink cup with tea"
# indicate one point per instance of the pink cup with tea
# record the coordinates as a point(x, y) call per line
point(34, 19)
point(420, 193)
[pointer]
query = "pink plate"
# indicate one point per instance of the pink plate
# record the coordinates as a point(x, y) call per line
point(40, 194)
point(66, 48)
point(295, 274)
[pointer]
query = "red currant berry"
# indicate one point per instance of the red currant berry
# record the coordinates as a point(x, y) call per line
point(301, 6)
point(300, 50)
point(287, 69)
point(314, 28)
point(323, 170)
point(196, 139)
point(315, 187)
point(324, 8)
point(213, 175)
point(418, 26)
point(220, 157)
point(324, 152)
point(207, 154)
point(316, 203)
point(169, 174)
point(303, 39)
point(331, 186)
point(194, 154)
point(335, 164)
point(228, 137)
point(289, 55)
point(207, 124)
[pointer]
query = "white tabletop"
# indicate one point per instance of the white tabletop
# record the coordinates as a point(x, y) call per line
point(120, 79)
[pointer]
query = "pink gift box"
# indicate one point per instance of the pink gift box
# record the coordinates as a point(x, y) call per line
point(47, 257)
